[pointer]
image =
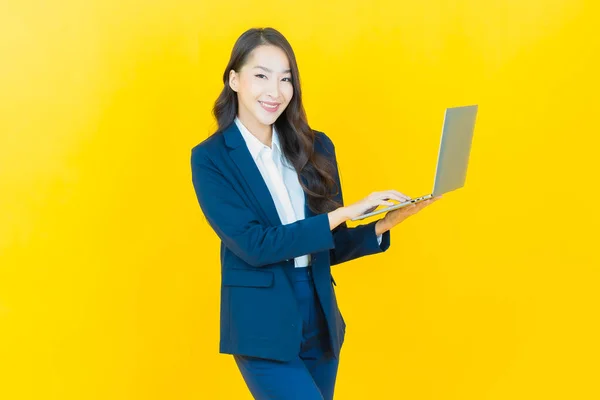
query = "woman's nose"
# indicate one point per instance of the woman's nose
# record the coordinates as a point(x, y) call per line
point(273, 89)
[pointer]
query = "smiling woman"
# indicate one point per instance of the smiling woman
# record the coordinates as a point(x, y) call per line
point(269, 187)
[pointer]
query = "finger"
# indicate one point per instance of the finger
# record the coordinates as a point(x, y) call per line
point(406, 197)
point(402, 196)
point(378, 203)
point(394, 194)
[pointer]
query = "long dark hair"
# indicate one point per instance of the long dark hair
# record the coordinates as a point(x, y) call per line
point(296, 137)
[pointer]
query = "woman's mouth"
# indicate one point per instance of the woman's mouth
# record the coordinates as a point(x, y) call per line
point(270, 107)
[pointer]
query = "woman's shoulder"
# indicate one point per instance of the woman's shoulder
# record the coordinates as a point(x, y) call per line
point(209, 145)
point(323, 142)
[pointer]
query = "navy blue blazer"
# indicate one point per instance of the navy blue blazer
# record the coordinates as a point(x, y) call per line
point(259, 316)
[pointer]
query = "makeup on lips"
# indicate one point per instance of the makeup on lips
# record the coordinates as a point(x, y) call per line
point(271, 107)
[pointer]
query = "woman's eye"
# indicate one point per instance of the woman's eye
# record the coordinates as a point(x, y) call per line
point(264, 76)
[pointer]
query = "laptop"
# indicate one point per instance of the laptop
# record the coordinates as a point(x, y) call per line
point(453, 156)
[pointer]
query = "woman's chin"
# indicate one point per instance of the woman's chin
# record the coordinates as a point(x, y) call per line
point(267, 120)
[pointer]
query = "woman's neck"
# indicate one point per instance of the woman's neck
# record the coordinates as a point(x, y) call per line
point(264, 133)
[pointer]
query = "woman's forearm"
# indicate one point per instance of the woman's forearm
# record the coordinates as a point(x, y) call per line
point(381, 227)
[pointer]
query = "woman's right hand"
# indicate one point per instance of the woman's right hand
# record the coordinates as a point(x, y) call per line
point(366, 205)
point(372, 201)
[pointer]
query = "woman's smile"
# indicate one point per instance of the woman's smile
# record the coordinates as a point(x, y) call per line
point(271, 107)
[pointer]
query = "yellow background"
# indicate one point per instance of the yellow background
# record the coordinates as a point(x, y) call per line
point(109, 274)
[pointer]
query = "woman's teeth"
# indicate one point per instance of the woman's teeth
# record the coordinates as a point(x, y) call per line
point(268, 107)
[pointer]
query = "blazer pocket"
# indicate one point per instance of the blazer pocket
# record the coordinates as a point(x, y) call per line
point(248, 278)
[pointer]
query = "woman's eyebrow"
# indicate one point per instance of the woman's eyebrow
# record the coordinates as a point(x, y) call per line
point(268, 70)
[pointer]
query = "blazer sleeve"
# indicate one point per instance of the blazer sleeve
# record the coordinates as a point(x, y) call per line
point(240, 228)
point(359, 241)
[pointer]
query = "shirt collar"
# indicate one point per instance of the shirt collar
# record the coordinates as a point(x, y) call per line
point(254, 145)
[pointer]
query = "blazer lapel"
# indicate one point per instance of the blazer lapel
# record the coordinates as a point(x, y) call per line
point(243, 159)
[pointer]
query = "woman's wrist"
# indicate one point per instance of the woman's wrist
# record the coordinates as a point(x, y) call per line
point(381, 227)
point(337, 217)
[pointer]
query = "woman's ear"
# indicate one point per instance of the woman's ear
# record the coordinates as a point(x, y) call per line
point(233, 80)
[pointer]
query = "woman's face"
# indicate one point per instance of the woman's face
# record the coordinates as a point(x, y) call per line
point(263, 85)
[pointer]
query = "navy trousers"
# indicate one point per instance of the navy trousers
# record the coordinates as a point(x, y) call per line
point(311, 375)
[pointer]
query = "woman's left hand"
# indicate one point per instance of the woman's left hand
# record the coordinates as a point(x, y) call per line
point(394, 217)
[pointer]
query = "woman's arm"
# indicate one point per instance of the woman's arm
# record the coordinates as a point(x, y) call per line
point(240, 228)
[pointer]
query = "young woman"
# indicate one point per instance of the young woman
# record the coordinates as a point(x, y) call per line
point(269, 187)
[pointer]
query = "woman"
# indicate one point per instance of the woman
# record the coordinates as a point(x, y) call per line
point(269, 187)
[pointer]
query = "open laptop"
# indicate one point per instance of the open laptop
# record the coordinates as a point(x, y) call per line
point(453, 156)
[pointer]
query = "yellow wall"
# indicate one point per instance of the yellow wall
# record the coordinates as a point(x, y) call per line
point(109, 275)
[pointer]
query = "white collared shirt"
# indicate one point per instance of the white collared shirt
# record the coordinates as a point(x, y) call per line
point(281, 179)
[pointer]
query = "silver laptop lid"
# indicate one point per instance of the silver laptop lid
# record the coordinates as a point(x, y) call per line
point(455, 148)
